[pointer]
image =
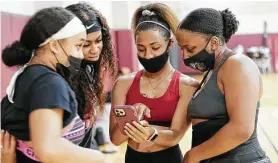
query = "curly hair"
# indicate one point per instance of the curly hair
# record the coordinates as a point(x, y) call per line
point(93, 93)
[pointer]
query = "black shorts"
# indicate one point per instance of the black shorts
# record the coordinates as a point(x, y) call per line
point(169, 155)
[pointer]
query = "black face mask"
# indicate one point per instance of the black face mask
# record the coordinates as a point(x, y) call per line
point(155, 64)
point(201, 61)
point(67, 71)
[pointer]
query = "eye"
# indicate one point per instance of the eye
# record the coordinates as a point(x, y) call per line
point(99, 41)
point(140, 50)
point(190, 50)
point(86, 44)
point(155, 48)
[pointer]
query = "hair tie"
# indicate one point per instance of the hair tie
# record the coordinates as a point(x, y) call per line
point(147, 13)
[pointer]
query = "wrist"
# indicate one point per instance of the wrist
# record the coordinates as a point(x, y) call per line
point(154, 134)
point(193, 155)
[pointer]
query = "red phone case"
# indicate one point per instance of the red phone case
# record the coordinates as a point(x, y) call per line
point(124, 114)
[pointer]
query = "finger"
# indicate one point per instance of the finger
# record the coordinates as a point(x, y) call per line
point(140, 128)
point(6, 140)
point(140, 112)
point(138, 138)
point(130, 136)
point(2, 138)
point(147, 112)
point(13, 143)
point(135, 132)
point(144, 123)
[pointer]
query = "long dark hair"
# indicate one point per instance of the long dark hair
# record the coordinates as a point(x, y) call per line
point(90, 94)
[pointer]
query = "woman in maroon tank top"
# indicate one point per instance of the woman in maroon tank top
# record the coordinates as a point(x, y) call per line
point(159, 88)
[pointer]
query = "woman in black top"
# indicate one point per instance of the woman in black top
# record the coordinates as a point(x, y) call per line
point(40, 109)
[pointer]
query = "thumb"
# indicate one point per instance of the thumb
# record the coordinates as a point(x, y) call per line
point(139, 113)
point(144, 123)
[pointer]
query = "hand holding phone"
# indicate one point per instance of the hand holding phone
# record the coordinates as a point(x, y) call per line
point(124, 114)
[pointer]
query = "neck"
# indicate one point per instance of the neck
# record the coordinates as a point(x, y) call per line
point(43, 59)
point(163, 72)
point(219, 56)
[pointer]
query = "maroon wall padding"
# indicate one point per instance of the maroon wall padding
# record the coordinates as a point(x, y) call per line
point(11, 27)
point(246, 41)
point(256, 40)
point(273, 45)
point(126, 50)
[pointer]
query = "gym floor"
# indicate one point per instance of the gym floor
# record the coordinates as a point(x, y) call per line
point(267, 126)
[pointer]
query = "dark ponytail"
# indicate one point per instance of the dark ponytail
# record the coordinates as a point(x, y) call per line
point(230, 24)
point(16, 54)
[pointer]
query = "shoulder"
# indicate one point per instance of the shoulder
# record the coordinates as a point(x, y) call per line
point(125, 81)
point(188, 85)
point(43, 77)
point(187, 81)
point(239, 69)
point(239, 64)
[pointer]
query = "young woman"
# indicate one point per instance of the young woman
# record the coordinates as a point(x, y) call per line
point(159, 88)
point(40, 108)
point(224, 109)
point(98, 59)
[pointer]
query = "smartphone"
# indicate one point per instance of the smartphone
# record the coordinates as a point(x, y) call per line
point(124, 114)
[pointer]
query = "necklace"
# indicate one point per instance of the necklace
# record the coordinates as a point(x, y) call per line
point(153, 88)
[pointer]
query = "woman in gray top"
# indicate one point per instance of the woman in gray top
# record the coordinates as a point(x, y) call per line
point(224, 108)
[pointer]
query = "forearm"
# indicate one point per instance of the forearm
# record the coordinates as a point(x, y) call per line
point(63, 150)
point(227, 138)
point(169, 137)
point(116, 136)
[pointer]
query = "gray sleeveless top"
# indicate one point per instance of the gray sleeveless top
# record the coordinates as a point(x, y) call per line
point(209, 102)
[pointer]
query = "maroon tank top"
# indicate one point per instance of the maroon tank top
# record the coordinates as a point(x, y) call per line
point(163, 107)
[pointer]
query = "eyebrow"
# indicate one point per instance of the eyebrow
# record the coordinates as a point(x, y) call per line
point(187, 46)
point(96, 39)
point(99, 36)
point(150, 43)
point(82, 39)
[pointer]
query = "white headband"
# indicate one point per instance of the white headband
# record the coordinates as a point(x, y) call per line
point(72, 28)
point(149, 21)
